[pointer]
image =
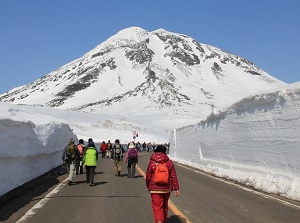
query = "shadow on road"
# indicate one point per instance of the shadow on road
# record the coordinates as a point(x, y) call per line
point(18, 198)
point(175, 219)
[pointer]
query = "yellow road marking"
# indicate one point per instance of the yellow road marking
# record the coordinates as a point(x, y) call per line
point(175, 210)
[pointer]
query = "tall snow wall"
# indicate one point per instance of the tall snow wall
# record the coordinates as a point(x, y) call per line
point(29, 150)
point(255, 142)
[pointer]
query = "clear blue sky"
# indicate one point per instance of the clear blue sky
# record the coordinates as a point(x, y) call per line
point(38, 37)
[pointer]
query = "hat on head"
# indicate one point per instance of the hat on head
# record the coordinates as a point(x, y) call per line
point(81, 141)
point(160, 148)
point(131, 145)
point(72, 140)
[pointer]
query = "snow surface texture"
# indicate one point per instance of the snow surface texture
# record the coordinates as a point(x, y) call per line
point(254, 142)
point(28, 150)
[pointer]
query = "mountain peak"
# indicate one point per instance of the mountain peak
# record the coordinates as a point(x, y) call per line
point(160, 30)
point(129, 34)
point(131, 30)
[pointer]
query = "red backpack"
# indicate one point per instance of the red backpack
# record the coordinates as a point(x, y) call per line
point(161, 175)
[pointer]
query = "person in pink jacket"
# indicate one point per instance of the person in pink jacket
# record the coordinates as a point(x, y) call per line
point(160, 193)
point(131, 159)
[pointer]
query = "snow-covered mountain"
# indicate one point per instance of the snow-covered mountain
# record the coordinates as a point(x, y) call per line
point(137, 73)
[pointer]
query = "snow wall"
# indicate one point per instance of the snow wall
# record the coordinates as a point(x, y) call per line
point(29, 150)
point(255, 142)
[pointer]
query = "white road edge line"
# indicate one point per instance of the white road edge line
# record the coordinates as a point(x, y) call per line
point(41, 203)
point(245, 188)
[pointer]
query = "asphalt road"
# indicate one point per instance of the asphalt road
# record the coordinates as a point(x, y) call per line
point(203, 198)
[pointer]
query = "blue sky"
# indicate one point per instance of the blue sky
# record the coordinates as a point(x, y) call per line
point(37, 37)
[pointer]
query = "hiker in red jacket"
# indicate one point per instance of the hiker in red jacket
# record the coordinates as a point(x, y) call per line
point(103, 148)
point(160, 193)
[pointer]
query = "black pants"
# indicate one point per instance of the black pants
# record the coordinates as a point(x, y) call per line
point(131, 166)
point(90, 173)
point(79, 168)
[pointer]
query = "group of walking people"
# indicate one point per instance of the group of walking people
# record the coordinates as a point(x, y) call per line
point(105, 149)
point(161, 177)
point(77, 156)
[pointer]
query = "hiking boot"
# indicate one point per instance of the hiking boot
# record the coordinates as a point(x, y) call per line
point(92, 184)
point(69, 183)
point(129, 176)
point(119, 173)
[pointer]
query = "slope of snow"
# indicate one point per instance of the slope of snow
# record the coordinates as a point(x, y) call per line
point(254, 142)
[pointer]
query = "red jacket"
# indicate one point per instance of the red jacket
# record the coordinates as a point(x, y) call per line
point(159, 157)
point(103, 147)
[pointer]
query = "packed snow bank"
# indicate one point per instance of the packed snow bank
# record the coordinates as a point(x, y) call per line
point(255, 142)
point(29, 150)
